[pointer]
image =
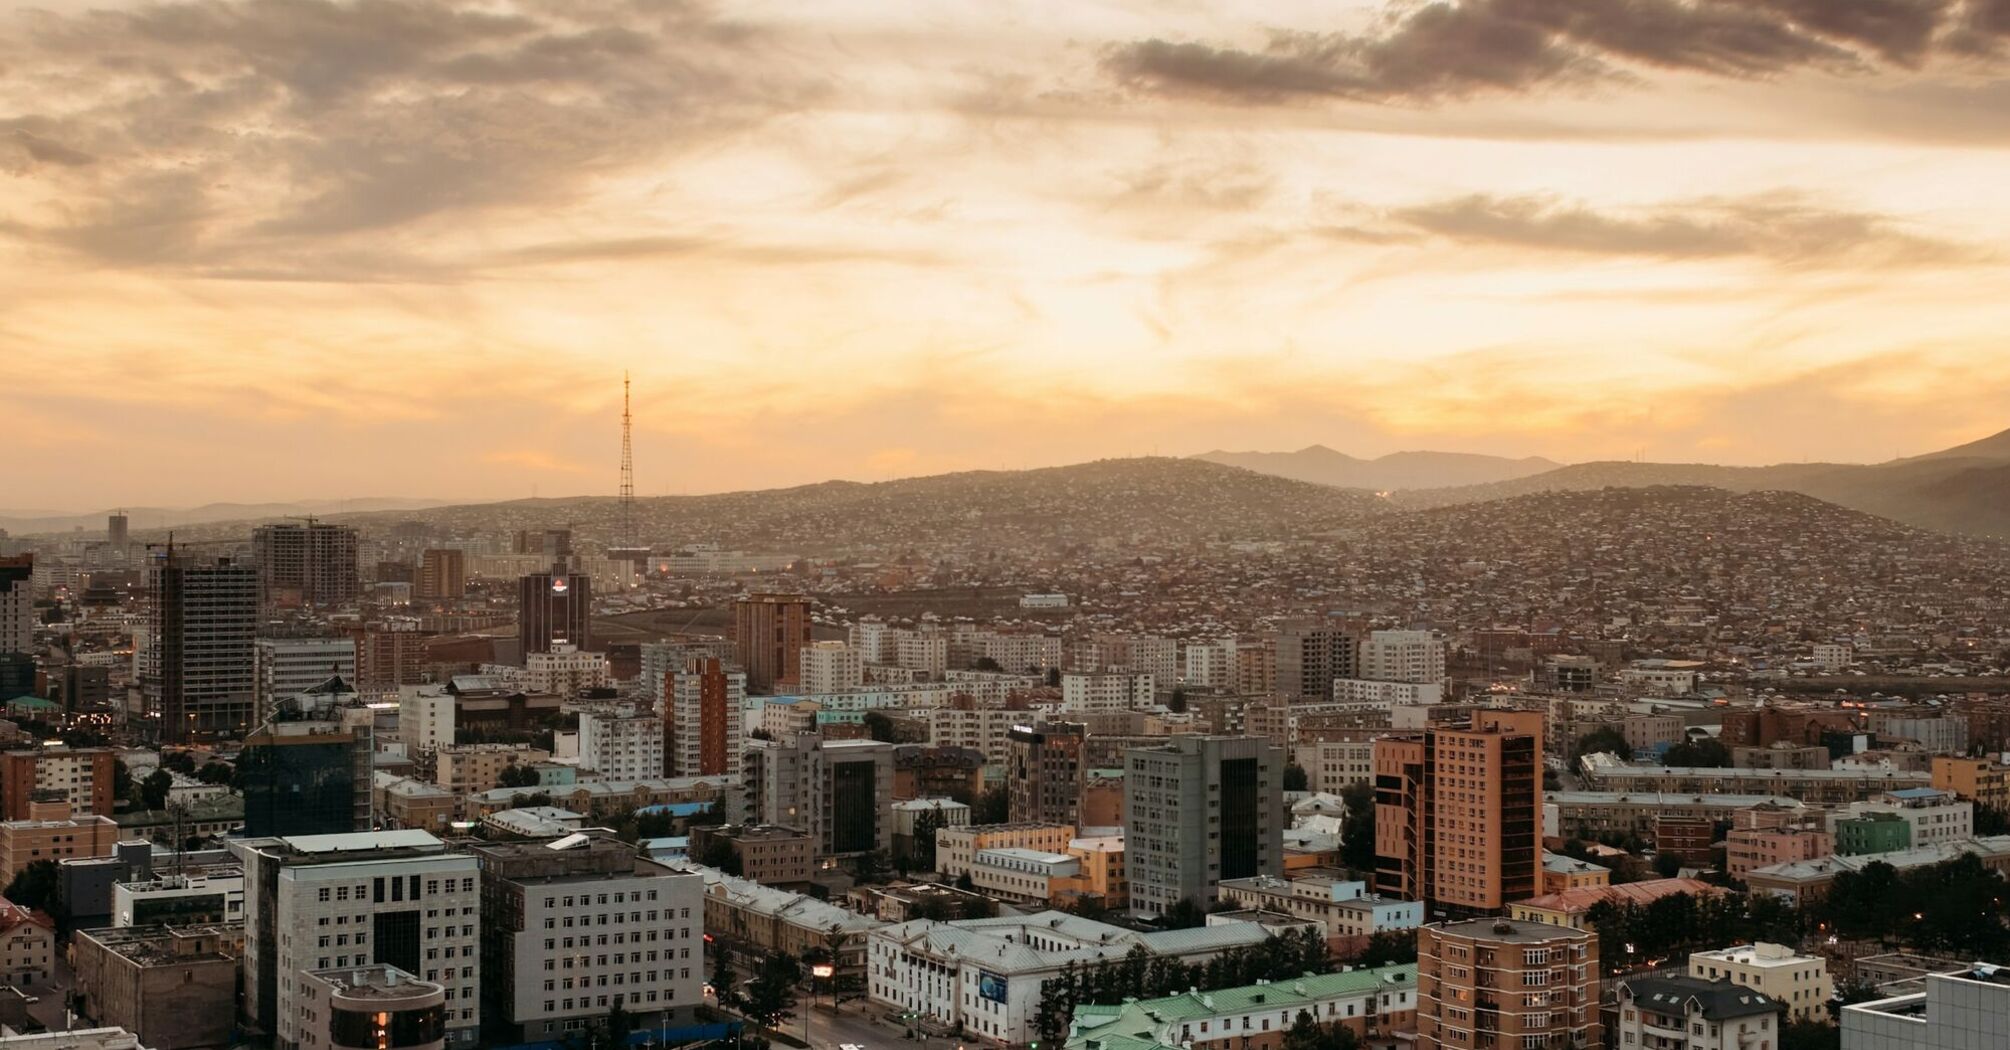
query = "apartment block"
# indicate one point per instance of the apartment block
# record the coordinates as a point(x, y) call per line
point(1495, 983)
point(1198, 810)
point(1800, 983)
point(175, 987)
point(1459, 812)
point(81, 777)
point(1044, 772)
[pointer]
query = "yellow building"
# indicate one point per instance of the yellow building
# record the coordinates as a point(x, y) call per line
point(1561, 873)
point(1977, 780)
point(1800, 981)
point(957, 848)
point(1102, 874)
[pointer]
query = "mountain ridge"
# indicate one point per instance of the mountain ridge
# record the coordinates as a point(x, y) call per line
point(1411, 469)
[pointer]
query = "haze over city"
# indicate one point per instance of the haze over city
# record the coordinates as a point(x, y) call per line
point(236, 236)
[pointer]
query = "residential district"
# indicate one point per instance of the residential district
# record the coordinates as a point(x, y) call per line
point(1649, 770)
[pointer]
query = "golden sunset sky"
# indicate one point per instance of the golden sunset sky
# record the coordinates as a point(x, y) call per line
point(285, 248)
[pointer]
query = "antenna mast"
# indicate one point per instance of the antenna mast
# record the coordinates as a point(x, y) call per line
point(627, 471)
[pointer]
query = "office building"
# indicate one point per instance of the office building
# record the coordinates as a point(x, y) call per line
point(1341, 906)
point(209, 894)
point(306, 563)
point(87, 687)
point(624, 744)
point(830, 667)
point(81, 777)
point(1800, 983)
point(378, 1007)
point(17, 604)
point(966, 724)
point(465, 769)
point(443, 574)
point(1198, 810)
point(118, 531)
point(1417, 657)
point(956, 848)
point(425, 718)
point(1210, 664)
point(554, 608)
point(308, 771)
point(336, 903)
point(769, 634)
point(836, 790)
point(1979, 780)
point(388, 660)
point(1044, 772)
point(1310, 656)
point(1699, 1014)
point(1491, 982)
point(703, 728)
point(553, 907)
point(1333, 766)
point(1969, 1010)
point(1459, 813)
point(175, 987)
point(288, 667)
point(763, 853)
point(202, 667)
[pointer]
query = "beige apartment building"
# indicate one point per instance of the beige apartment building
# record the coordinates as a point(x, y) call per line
point(52, 834)
point(956, 849)
point(1799, 981)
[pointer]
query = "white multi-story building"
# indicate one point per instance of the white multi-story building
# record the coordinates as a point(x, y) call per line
point(1015, 651)
point(831, 667)
point(1342, 907)
point(425, 717)
point(1403, 656)
point(215, 895)
point(1332, 766)
point(288, 667)
point(986, 975)
point(983, 729)
point(1965, 1011)
point(1695, 1014)
point(1373, 693)
point(585, 924)
point(625, 744)
point(1211, 663)
point(1089, 691)
point(1834, 656)
point(923, 650)
point(322, 902)
point(873, 638)
point(1801, 982)
point(1935, 817)
point(565, 671)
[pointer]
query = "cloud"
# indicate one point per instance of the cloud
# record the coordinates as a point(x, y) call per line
point(237, 136)
point(1781, 228)
point(1449, 50)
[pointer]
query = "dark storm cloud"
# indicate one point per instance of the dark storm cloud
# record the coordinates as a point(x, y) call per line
point(1784, 230)
point(1454, 49)
point(223, 135)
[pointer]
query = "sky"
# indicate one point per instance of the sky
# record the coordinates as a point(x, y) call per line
point(278, 249)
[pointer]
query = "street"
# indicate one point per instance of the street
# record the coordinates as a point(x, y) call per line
point(851, 1023)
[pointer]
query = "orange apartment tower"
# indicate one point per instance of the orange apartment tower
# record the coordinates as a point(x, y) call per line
point(1458, 813)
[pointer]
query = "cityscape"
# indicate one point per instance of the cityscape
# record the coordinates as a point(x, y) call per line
point(1438, 525)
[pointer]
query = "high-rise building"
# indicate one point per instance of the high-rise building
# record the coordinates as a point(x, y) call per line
point(1310, 655)
point(117, 531)
point(554, 608)
point(1198, 810)
point(288, 667)
point(1211, 664)
point(837, 790)
point(621, 745)
point(1458, 819)
point(1402, 656)
point(1957, 1011)
point(307, 770)
point(387, 660)
point(702, 723)
point(373, 1008)
point(443, 573)
point(201, 630)
point(830, 667)
point(769, 633)
point(17, 604)
point(306, 563)
point(81, 776)
point(1490, 982)
point(546, 903)
point(318, 903)
point(1084, 692)
point(1044, 772)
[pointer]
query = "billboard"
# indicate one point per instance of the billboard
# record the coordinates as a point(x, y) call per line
point(990, 986)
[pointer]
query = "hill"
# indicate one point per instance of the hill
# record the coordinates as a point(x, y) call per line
point(1135, 502)
point(1398, 470)
point(28, 523)
point(1965, 489)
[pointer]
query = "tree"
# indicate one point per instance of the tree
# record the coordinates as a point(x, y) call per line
point(214, 773)
point(985, 663)
point(517, 775)
point(122, 779)
point(619, 1024)
point(34, 886)
point(1700, 753)
point(1295, 778)
point(154, 789)
point(920, 854)
point(178, 761)
point(1176, 703)
point(1357, 830)
point(1184, 914)
point(879, 727)
point(725, 983)
point(1604, 739)
point(1056, 1010)
point(1306, 1033)
point(772, 993)
point(1667, 865)
point(870, 866)
point(994, 806)
point(720, 854)
point(1809, 1035)
point(1390, 948)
